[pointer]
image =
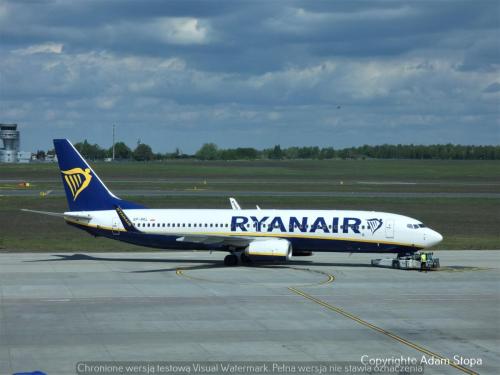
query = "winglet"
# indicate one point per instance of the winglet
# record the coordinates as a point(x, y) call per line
point(127, 224)
point(234, 204)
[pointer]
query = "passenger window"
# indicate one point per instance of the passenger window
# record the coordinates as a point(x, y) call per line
point(183, 225)
point(189, 225)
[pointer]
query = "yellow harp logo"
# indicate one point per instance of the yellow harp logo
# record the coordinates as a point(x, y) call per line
point(77, 180)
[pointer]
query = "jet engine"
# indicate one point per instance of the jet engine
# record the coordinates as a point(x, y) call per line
point(278, 249)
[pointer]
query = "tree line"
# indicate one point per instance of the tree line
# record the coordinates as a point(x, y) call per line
point(210, 151)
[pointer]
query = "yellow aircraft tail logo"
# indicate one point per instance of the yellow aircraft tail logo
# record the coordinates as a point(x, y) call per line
point(77, 180)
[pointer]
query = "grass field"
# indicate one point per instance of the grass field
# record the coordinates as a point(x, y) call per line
point(466, 223)
point(475, 171)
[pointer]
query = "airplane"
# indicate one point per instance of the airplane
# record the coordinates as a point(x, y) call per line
point(246, 234)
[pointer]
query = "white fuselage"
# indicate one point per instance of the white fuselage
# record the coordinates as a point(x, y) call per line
point(313, 230)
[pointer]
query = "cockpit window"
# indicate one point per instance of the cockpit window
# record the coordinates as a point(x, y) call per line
point(415, 226)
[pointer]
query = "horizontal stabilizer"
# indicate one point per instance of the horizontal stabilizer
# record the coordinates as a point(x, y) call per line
point(64, 215)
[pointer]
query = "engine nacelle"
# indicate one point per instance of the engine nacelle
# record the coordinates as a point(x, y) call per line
point(276, 248)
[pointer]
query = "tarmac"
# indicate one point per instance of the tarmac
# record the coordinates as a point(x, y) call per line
point(59, 309)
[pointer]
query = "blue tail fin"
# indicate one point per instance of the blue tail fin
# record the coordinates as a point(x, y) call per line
point(84, 189)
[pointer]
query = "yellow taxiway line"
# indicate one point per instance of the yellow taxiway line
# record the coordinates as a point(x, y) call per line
point(331, 278)
point(412, 345)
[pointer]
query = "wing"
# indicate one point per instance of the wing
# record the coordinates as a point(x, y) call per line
point(206, 239)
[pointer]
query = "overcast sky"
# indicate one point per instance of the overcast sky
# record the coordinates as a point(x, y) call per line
point(251, 73)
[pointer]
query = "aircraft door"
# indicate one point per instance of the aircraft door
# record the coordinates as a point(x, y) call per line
point(115, 228)
point(389, 229)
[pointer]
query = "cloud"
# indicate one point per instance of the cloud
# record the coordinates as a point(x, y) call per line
point(494, 87)
point(182, 73)
point(56, 48)
point(182, 30)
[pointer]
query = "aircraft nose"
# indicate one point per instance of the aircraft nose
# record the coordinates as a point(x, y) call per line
point(434, 238)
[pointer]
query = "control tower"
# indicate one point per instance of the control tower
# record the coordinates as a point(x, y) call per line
point(10, 137)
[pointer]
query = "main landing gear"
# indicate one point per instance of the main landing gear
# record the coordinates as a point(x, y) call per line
point(230, 260)
point(234, 259)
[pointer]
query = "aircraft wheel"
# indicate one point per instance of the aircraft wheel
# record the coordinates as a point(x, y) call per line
point(245, 259)
point(230, 260)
